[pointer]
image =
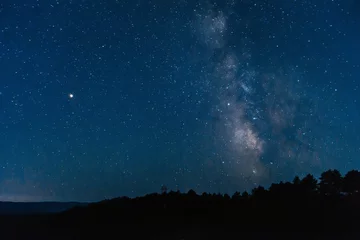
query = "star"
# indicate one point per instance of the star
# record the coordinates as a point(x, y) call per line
point(71, 95)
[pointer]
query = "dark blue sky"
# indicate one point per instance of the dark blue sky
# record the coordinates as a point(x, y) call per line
point(106, 98)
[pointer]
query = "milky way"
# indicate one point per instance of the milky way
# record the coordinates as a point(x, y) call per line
point(257, 110)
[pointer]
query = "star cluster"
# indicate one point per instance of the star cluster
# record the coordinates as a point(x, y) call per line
point(106, 98)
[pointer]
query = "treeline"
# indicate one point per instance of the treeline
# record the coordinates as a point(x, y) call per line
point(307, 207)
point(330, 183)
point(325, 205)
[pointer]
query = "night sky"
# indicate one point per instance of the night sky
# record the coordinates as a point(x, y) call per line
point(103, 98)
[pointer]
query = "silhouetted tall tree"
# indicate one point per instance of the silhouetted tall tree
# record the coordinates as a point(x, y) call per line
point(236, 196)
point(245, 195)
point(191, 193)
point(330, 182)
point(309, 184)
point(351, 182)
point(258, 192)
point(296, 180)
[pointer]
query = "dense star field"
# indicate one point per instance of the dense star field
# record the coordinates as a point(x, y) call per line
point(103, 98)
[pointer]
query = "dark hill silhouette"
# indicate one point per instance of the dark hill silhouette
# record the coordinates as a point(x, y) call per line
point(303, 209)
point(22, 208)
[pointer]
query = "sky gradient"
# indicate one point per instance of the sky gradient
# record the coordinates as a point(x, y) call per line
point(100, 99)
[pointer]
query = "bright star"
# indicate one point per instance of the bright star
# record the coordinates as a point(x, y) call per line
point(71, 95)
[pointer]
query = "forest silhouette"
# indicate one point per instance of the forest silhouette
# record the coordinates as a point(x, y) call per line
point(327, 207)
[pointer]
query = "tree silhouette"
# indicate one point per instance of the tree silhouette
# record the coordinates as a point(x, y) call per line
point(330, 182)
point(309, 184)
point(191, 193)
point(236, 196)
point(351, 182)
point(258, 192)
point(245, 195)
point(296, 180)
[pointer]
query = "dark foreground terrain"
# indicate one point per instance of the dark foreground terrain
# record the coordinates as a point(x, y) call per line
point(303, 209)
point(25, 208)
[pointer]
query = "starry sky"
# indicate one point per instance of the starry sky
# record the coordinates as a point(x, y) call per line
point(103, 98)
